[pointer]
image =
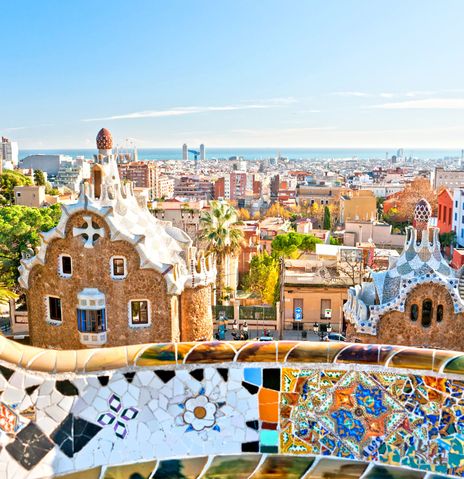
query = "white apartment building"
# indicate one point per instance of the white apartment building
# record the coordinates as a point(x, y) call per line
point(382, 190)
point(71, 174)
point(458, 215)
point(447, 178)
point(49, 163)
point(9, 153)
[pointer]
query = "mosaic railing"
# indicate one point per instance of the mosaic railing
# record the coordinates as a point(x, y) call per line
point(189, 409)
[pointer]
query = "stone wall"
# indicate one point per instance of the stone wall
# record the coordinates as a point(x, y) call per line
point(91, 269)
point(63, 412)
point(196, 316)
point(397, 327)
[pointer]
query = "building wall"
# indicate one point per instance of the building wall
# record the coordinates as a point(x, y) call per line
point(33, 196)
point(398, 328)
point(91, 269)
point(312, 297)
point(361, 205)
point(445, 211)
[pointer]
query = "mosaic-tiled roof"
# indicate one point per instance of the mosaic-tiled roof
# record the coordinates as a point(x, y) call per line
point(160, 245)
point(420, 262)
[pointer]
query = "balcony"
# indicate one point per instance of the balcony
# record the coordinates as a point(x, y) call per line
point(93, 339)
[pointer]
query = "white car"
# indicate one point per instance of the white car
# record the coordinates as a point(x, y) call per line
point(334, 337)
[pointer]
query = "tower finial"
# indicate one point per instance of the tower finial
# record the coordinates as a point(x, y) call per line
point(104, 140)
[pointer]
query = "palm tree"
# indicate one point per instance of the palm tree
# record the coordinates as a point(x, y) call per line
point(222, 237)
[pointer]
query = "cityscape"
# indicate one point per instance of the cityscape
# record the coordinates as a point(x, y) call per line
point(232, 254)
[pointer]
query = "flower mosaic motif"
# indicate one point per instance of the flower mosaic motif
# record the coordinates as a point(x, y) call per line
point(199, 413)
point(117, 416)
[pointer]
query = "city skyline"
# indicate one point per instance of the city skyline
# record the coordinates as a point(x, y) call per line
point(293, 75)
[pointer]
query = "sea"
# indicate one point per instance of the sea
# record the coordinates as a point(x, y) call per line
point(265, 153)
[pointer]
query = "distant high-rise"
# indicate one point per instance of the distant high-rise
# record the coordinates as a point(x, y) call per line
point(202, 152)
point(9, 153)
point(185, 155)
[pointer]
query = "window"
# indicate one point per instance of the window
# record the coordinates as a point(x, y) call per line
point(54, 309)
point(118, 267)
point(427, 313)
point(326, 308)
point(65, 265)
point(414, 312)
point(139, 313)
point(439, 313)
point(91, 320)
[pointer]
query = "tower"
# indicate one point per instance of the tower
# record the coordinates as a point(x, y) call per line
point(202, 152)
point(185, 154)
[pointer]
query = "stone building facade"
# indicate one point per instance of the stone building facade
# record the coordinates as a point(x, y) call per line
point(416, 302)
point(110, 274)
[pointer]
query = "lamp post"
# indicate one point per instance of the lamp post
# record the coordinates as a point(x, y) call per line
point(318, 329)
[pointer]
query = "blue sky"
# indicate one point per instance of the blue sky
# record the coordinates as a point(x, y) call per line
point(306, 73)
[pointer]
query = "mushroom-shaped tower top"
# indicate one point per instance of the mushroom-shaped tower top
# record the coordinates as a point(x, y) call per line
point(104, 139)
point(422, 211)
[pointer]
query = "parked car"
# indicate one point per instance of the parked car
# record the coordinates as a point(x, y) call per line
point(334, 337)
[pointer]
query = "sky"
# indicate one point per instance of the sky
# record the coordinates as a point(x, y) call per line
point(233, 73)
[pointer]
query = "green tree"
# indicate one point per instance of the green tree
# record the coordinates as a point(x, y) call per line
point(8, 180)
point(19, 230)
point(287, 245)
point(327, 219)
point(292, 244)
point(39, 178)
point(263, 277)
point(447, 239)
point(221, 233)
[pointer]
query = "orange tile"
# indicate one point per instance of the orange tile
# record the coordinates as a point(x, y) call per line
point(269, 412)
point(268, 396)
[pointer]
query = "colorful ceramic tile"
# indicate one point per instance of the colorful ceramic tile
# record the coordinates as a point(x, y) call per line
point(182, 350)
point(140, 470)
point(258, 352)
point(309, 352)
point(283, 348)
point(232, 467)
point(412, 358)
point(253, 376)
point(455, 365)
point(283, 467)
point(180, 468)
point(157, 354)
point(214, 352)
point(93, 473)
point(383, 472)
point(340, 469)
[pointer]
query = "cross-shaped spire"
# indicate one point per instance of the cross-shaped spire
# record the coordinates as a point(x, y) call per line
point(89, 231)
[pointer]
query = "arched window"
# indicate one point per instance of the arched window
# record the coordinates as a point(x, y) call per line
point(439, 313)
point(426, 313)
point(414, 312)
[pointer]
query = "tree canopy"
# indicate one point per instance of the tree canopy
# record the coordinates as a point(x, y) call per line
point(19, 230)
point(8, 180)
point(39, 178)
point(292, 245)
point(263, 277)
